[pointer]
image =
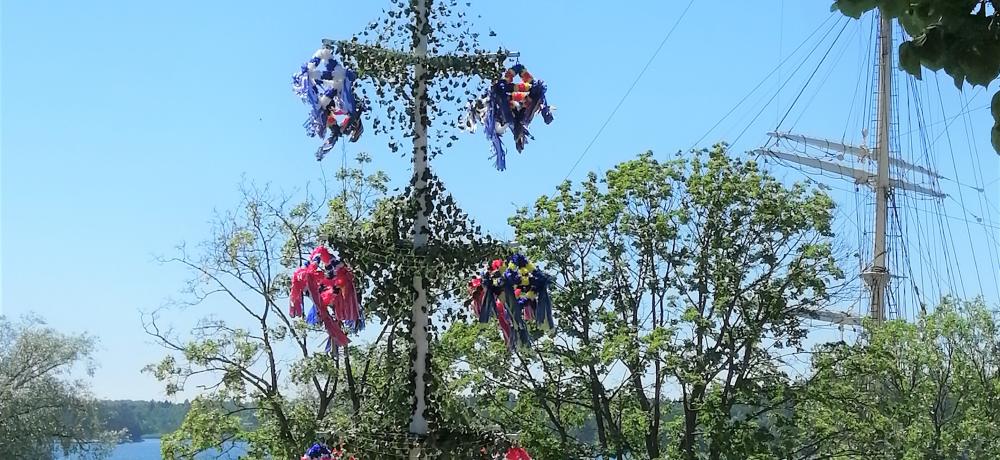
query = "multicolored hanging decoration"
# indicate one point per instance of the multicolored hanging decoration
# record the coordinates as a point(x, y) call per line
point(328, 88)
point(517, 453)
point(329, 283)
point(509, 105)
point(322, 452)
point(318, 452)
point(517, 292)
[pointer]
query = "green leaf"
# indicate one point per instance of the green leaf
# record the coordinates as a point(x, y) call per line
point(996, 106)
point(909, 60)
point(854, 8)
point(995, 138)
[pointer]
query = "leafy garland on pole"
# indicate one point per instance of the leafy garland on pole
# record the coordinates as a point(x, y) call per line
point(458, 70)
point(383, 253)
point(420, 245)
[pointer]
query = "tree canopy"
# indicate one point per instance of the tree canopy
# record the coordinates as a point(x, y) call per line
point(42, 407)
point(680, 284)
point(680, 279)
point(912, 390)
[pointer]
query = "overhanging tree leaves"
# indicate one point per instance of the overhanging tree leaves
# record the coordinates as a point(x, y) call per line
point(961, 37)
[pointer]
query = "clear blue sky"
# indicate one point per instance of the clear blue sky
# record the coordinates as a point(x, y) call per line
point(125, 124)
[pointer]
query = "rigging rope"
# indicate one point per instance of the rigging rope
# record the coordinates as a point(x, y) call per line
point(629, 90)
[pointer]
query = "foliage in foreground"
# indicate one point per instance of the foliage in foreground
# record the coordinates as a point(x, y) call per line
point(275, 368)
point(42, 408)
point(679, 292)
point(684, 278)
point(923, 390)
point(961, 37)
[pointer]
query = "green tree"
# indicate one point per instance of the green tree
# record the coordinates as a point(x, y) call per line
point(961, 37)
point(143, 418)
point(755, 257)
point(42, 408)
point(924, 390)
point(689, 274)
point(259, 361)
point(271, 383)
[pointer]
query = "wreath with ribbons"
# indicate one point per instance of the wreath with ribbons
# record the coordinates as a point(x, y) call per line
point(509, 105)
point(516, 292)
point(327, 87)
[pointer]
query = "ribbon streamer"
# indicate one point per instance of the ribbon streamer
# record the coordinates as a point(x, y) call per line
point(519, 293)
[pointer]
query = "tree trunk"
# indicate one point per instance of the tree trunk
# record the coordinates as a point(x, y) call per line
point(595, 399)
point(640, 395)
point(653, 437)
point(352, 387)
point(689, 448)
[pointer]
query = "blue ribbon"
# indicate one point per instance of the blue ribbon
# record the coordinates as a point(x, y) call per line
point(490, 128)
point(543, 303)
point(313, 316)
point(489, 300)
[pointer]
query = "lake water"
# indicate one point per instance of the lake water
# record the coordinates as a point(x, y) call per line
point(149, 449)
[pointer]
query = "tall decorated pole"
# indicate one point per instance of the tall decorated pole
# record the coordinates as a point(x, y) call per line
point(421, 60)
point(419, 313)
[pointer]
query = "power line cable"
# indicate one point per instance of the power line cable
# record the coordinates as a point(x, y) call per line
point(630, 88)
point(767, 77)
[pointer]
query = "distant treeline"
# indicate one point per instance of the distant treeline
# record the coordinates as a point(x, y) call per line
point(150, 419)
point(143, 418)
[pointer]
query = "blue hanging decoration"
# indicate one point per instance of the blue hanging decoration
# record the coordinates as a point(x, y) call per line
point(327, 87)
point(313, 317)
point(543, 303)
point(515, 308)
point(318, 452)
point(518, 293)
point(508, 105)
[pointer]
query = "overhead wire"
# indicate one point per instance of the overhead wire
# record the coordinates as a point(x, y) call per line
point(951, 151)
point(928, 270)
point(772, 72)
point(977, 176)
point(944, 227)
point(813, 74)
point(629, 90)
point(933, 252)
point(821, 84)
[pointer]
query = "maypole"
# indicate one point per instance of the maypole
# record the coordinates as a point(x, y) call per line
point(507, 106)
point(418, 312)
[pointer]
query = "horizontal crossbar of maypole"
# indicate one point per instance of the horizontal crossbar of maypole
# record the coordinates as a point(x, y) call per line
point(460, 63)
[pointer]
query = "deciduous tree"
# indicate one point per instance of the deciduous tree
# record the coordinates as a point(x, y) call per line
point(42, 407)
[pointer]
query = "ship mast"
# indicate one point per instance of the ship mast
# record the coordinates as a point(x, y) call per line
point(877, 277)
point(876, 274)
